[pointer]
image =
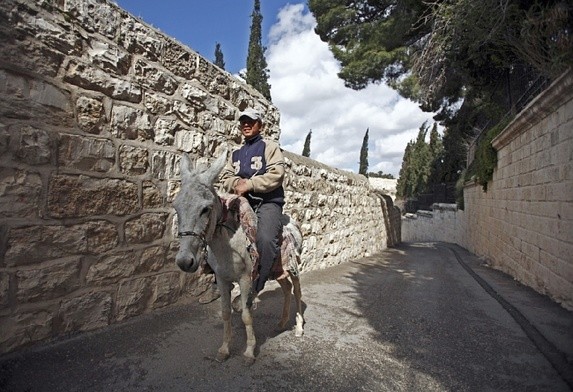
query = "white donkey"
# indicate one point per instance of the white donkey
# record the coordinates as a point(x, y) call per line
point(208, 226)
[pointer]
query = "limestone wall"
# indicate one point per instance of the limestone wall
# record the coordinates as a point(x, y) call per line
point(523, 224)
point(384, 185)
point(95, 110)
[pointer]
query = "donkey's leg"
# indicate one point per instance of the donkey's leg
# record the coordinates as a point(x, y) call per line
point(225, 288)
point(245, 286)
point(299, 331)
point(287, 290)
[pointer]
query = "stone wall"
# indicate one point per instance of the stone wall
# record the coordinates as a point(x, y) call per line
point(523, 224)
point(384, 185)
point(342, 218)
point(95, 110)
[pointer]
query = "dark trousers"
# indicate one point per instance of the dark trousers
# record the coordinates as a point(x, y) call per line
point(269, 228)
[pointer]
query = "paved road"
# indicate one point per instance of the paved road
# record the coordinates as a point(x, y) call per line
point(420, 317)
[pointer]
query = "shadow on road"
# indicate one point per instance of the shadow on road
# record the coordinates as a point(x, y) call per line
point(410, 318)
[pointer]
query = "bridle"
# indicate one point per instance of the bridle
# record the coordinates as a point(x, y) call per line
point(221, 222)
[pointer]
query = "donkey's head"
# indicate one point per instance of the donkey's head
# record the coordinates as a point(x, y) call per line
point(196, 209)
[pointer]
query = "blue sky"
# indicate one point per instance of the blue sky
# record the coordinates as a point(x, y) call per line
point(303, 78)
point(200, 24)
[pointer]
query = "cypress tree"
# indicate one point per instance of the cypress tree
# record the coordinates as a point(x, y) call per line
point(257, 72)
point(403, 188)
point(219, 62)
point(363, 168)
point(436, 156)
point(306, 149)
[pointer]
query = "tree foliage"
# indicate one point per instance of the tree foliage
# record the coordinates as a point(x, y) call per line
point(421, 163)
point(257, 73)
point(381, 174)
point(363, 165)
point(306, 149)
point(219, 62)
point(471, 62)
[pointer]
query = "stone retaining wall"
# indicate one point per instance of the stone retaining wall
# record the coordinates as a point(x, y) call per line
point(523, 224)
point(95, 110)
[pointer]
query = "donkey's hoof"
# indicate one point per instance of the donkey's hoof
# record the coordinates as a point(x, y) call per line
point(249, 361)
point(298, 332)
point(222, 357)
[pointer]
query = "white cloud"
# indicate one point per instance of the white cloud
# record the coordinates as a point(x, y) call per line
point(310, 96)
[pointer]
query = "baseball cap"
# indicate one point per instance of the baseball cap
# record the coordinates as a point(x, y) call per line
point(251, 113)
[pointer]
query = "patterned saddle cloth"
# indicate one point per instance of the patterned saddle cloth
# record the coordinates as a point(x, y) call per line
point(290, 242)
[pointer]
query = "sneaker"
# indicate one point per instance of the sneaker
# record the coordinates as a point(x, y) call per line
point(210, 295)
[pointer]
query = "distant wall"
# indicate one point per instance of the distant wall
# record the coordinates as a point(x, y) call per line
point(523, 224)
point(95, 110)
point(384, 185)
point(342, 217)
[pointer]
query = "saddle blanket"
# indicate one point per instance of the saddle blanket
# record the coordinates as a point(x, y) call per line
point(289, 242)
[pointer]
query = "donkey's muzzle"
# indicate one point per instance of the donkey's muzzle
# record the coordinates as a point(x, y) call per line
point(187, 263)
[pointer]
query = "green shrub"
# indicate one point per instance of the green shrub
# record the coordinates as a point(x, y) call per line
point(485, 160)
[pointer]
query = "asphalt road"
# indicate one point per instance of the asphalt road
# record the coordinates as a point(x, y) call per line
point(420, 317)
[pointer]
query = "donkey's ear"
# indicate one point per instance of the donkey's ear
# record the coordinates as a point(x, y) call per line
point(210, 175)
point(186, 165)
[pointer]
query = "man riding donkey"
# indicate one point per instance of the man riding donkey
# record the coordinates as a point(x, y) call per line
point(256, 171)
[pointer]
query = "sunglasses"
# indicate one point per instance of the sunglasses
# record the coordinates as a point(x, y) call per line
point(248, 122)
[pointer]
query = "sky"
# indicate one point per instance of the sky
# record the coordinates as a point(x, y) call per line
point(303, 77)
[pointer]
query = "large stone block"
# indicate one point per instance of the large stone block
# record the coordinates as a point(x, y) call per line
point(80, 196)
point(47, 282)
point(185, 112)
point(179, 59)
point(24, 327)
point(90, 114)
point(84, 313)
point(153, 259)
point(94, 16)
point(34, 146)
point(133, 161)
point(86, 153)
point(101, 236)
point(164, 131)
point(53, 32)
point(137, 38)
point(132, 296)
point(153, 195)
point(37, 56)
point(19, 193)
point(91, 78)
point(164, 165)
point(32, 244)
point(146, 228)
point(154, 78)
point(166, 289)
point(157, 104)
point(111, 268)
point(49, 95)
point(130, 123)
point(195, 95)
point(191, 141)
point(109, 58)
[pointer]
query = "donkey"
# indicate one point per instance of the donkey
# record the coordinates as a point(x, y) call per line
point(211, 231)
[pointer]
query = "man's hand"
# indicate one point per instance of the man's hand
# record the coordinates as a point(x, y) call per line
point(242, 187)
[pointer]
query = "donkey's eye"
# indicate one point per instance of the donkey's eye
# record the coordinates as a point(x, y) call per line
point(205, 210)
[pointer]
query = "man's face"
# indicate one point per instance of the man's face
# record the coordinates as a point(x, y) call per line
point(249, 127)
